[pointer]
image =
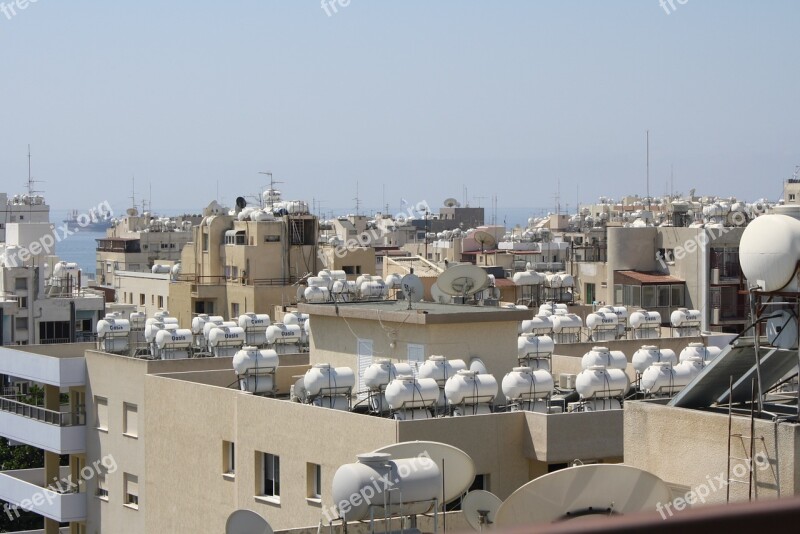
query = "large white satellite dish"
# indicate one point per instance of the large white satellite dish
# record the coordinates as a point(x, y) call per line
point(599, 489)
point(484, 239)
point(247, 522)
point(412, 287)
point(480, 509)
point(438, 295)
point(451, 203)
point(456, 465)
point(463, 280)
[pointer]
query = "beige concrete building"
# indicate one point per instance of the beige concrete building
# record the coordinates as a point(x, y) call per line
point(148, 292)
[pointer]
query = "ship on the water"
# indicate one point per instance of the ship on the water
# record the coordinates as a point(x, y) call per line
point(94, 222)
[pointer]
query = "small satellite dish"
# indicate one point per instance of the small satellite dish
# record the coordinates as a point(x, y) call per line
point(599, 489)
point(456, 465)
point(247, 522)
point(484, 239)
point(463, 280)
point(480, 508)
point(241, 203)
point(451, 203)
point(477, 365)
point(412, 287)
point(301, 295)
point(438, 295)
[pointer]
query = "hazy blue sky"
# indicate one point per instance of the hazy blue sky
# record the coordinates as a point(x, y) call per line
point(422, 96)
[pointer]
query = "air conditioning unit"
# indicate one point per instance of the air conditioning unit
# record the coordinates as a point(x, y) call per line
point(566, 381)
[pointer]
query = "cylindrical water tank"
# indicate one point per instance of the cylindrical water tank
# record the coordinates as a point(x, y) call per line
point(538, 324)
point(523, 383)
point(470, 388)
point(650, 354)
point(284, 333)
point(553, 280)
point(138, 320)
point(440, 368)
point(406, 392)
point(383, 371)
point(226, 335)
point(550, 306)
point(393, 281)
point(343, 286)
point(319, 281)
point(662, 377)
point(317, 294)
point(684, 317)
point(112, 327)
point(253, 359)
point(213, 322)
point(620, 311)
point(567, 321)
point(645, 319)
point(601, 382)
point(416, 484)
point(601, 321)
point(326, 380)
point(363, 278)
point(161, 269)
point(532, 345)
point(151, 330)
point(528, 278)
point(176, 339)
point(295, 318)
point(373, 289)
point(610, 359)
point(567, 280)
point(337, 274)
point(198, 323)
point(254, 321)
point(698, 350)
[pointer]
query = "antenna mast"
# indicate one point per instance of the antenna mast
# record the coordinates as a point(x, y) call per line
point(358, 201)
point(272, 183)
point(31, 181)
point(648, 170)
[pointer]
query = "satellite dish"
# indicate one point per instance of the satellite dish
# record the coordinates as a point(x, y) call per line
point(477, 365)
point(451, 203)
point(246, 522)
point(484, 239)
point(301, 293)
point(412, 287)
point(463, 280)
point(599, 489)
point(480, 508)
point(241, 203)
point(456, 465)
point(438, 295)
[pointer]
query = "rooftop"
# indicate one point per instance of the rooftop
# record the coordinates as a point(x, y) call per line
point(421, 312)
point(651, 277)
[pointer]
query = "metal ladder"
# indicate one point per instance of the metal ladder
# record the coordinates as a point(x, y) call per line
point(748, 455)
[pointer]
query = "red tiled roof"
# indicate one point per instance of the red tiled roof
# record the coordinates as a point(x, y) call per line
point(652, 278)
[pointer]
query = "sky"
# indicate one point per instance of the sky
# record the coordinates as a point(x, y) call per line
point(412, 99)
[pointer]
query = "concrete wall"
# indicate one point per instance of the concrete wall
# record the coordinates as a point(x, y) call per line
point(689, 448)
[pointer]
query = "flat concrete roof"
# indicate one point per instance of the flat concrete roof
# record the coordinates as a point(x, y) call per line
point(420, 313)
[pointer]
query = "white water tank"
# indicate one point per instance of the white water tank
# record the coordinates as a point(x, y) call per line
point(160, 269)
point(255, 369)
point(152, 329)
point(683, 317)
point(112, 327)
point(383, 371)
point(212, 323)
point(538, 325)
point(138, 320)
point(326, 380)
point(645, 319)
point(553, 280)
point(282, 333)
point(315, 294)
point(523, 383)
point(416, 483)
point(375, 288)
point(198, 323)
point(769, 251)
point(602, 321)
point(320, 281)
point(341, 287)
point(295, 318)
point(254, 321)
point(393, 281)
point(620, 311)
point(532, 345)
point(650, 354)
point(469, 387)
point(601, 382)
point(528, 278)
point(550, 306)
point(406, 392)
point(440, 369)
point(611, 359)
point(566, 321)
point(64, 268)
point(664, 378)
point(226, 336)
point(174, 339)
point(698, 350)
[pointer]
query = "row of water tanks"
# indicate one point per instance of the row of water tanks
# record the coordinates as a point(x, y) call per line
point(333, 285)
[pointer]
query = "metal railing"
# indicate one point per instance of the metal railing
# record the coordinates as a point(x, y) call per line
point(43, 415)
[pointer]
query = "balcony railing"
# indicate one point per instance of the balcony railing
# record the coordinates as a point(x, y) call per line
point(80, 337)
point(40, 414)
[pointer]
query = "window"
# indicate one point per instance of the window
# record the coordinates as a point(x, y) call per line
point(131, 490)
point(108, 267)
point(161, 302)
point(272, 238)
point(364, 356)
point(352, 269)
point(101, 407)
point(791, 197)
point(663, 296)
point(102, 486)
point(205, 242)
point(648, 297)
point(228, 458)
point(677, 295)
point(270, 475)
point(141, 299)
point(130, 420)
point(23, 302)
point(21, 284)
point(234, 309)
point(21, 323)
point(314, 481)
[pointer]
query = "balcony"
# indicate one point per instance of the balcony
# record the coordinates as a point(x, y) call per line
point(56, 365)
point(25, 487)
point(57, 432)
